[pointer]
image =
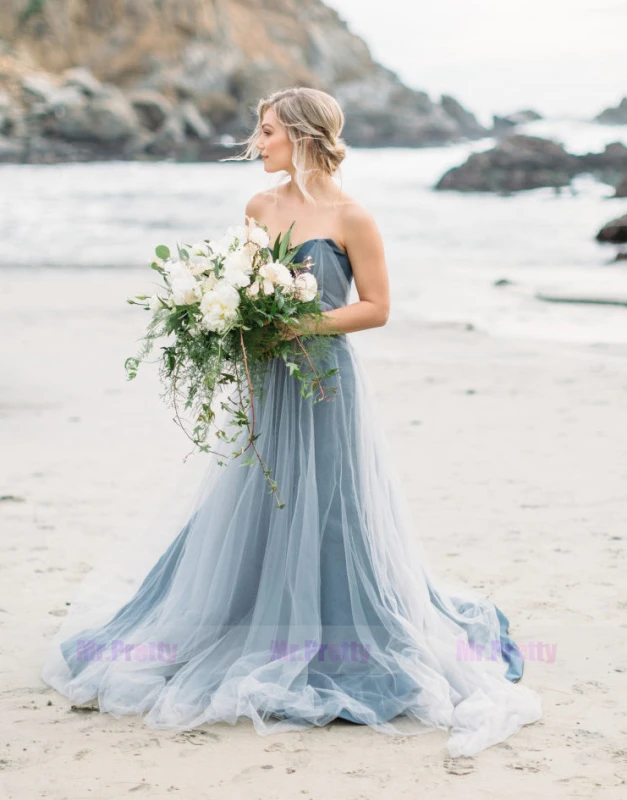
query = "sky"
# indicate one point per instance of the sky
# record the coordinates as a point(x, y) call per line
point(563, 58)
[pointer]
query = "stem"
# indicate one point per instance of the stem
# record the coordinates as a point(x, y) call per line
point(179, 421)
point(251, 427)
point(302, 347)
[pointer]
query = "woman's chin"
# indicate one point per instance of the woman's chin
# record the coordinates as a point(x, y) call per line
point(271, 168)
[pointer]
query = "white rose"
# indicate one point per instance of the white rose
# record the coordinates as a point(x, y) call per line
point(306, 286)
point(185, 290)
point(200, 265)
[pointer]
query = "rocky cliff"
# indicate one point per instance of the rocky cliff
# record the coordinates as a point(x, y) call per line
point(135, 78)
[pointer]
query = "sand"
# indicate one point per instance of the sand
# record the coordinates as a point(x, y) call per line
point(513, 457)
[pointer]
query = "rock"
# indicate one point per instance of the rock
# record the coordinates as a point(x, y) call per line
point(517, 163)
point(39, 87)
point(219, 108)
point(109, 117)
point(5, 101)
point(621, 189)
point(170, 137)
point(504, 125)
point(587, 299)
point(11, 151)
point(11, 119)
point(151, 107)
point(613, 158)
point(614, 116)
point(193, 122)
point(379, 112)
point(84, 80)
point(614, 232)
point(467, 121)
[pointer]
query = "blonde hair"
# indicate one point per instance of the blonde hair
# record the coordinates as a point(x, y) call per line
point(313, 121)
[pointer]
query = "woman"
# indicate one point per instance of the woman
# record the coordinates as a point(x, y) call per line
point(324, 608)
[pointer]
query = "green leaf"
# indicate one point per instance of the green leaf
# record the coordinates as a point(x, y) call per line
point(286, 242)
point(162, 252)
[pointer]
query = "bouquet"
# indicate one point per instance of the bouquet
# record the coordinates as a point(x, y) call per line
point(226, 308)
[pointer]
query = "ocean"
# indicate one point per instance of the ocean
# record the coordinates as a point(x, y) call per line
point(444, 250)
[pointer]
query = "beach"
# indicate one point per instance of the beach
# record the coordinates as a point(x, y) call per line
point(512, 453)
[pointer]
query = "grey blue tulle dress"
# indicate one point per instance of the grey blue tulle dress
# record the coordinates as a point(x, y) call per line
point(291, 617)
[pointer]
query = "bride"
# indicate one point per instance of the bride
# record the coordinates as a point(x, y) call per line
point(325, 608)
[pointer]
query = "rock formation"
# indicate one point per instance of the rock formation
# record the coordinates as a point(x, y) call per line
point(516, 163)
point(614, 116)
point(504, 125)
point(521, 162)
point(144, 78)
point(621, 188)
point(614, 232)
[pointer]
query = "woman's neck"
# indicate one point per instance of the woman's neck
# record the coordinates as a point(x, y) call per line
point(319, 188)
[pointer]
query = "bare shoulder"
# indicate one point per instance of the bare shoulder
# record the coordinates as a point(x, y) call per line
point(359, 225)
point(259, 202)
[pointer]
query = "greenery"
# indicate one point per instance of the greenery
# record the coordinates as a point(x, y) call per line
point(259, 331)
point(33, 8)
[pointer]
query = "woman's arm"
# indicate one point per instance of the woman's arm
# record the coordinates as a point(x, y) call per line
point(364, 246)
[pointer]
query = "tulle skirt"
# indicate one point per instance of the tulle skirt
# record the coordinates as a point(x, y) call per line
point(228, 607)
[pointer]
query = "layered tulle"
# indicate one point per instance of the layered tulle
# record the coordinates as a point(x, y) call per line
point(233, 608)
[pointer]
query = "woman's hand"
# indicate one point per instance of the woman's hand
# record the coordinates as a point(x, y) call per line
point(281, 332)
point(286, 332)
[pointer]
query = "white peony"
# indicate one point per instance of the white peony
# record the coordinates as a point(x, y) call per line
point(239, 232)
point(219, 308)
point(238, 259)
point(225, 244)
point(253, 289)
point(305, 286)
point(258, 236)
point(238, 268)
point(177, 269)
point(185, 290)
point(200, 265)
point(236, 278)
point(276, 274)
point(209, 283)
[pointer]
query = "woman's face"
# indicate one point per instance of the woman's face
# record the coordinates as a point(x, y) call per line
point(274, 144)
